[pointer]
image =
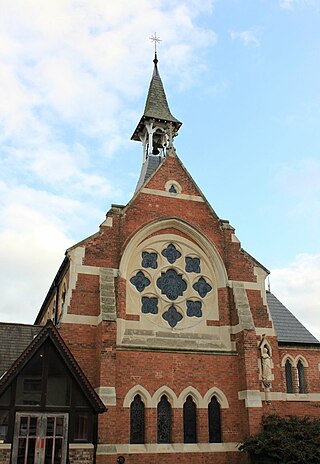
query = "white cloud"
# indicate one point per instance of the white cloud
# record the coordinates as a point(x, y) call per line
point(298, 287)
point(291, 4)
point(70, 76)
point(248, 37)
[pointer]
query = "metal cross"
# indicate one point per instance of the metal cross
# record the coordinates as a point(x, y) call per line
point(156, 40)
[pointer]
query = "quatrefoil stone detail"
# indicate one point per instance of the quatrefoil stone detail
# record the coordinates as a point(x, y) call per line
point(140, 281)
point(171, 284)
point(202, 287)
point(172, 316)
point(171, 253)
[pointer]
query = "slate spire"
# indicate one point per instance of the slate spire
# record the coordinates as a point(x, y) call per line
point(156, 128)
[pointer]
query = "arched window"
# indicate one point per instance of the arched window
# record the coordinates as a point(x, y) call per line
point(190, 421)
point(301, 377)
point(137, 420)
point(214, 416)
point(164, 420)
point(289, 376)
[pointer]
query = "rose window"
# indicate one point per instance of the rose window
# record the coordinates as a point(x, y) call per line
point(172, 284)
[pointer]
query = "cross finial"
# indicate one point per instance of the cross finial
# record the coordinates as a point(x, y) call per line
point(156, 40)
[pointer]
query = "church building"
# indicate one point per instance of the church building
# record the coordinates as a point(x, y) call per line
point(157, 342)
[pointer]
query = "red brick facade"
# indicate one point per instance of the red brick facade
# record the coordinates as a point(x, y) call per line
point(114, 350)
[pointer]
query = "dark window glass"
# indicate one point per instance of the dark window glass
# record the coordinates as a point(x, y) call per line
point(164, 420)
point(289, 376)
point(29, 382)
point(4, 423)
point(301, 377)
point(190, 421)
point(214, 414)
point(58, 382)
point(137, 420)
point(5, 397)
point(81, 426)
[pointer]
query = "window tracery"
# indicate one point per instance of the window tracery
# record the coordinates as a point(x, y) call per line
point(172, 283)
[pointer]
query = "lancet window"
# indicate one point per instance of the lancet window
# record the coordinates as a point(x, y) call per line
point(214, 419)
point(190, 421)
point(137, 420)
point(164, 420)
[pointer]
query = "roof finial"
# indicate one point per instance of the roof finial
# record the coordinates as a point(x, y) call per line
point(269, 284)
point(156, 40)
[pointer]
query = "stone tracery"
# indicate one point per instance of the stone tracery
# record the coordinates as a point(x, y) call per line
point(172, 285)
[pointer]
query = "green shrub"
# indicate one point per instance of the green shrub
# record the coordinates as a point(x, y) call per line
point(285, 440)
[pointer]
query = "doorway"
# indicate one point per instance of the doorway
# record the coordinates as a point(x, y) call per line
point(40, 439)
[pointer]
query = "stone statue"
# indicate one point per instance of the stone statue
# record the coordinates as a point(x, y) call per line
point(266, 365)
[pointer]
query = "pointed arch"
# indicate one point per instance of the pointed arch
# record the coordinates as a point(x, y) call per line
point(302, 359)
point(193, 392)
point(214, 420)
point(137, 420)
point(164, 390)
point(189, 420)
point(285, 358)
point(182, 226)
point(137, 390)
point(164, 414)
point(221, 397)
point(289, 376)
point(301, 374)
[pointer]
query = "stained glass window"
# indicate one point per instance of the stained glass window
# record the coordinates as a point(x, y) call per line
point(190, 421)
point(301, 377)
point(214, 416)
point(289, 376)
point(164, 420)
point(137, 420)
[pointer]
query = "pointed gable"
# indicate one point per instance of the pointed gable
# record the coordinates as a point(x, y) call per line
point(50, 334)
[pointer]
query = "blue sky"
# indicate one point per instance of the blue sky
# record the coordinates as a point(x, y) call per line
point(242, 76)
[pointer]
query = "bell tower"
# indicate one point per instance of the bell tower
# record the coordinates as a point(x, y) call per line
point(156, 128)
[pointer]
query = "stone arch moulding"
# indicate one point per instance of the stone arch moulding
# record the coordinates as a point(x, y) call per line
point(137, 390)
point(197, 398)
point(286, 358)
point(302, 359)
point(170, 394)
point(221, 397)
point(156, 226)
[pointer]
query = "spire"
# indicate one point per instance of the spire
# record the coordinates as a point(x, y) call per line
point(157, 126)
point(156, 106)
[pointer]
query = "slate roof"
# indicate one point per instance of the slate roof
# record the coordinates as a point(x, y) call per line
point(148, 168)
point(46, 332)
point(156, 104)
point(14, 339)
point(287, 326)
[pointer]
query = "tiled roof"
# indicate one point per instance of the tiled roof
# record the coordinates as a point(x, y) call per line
point(287, 326)
point(14, 339)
